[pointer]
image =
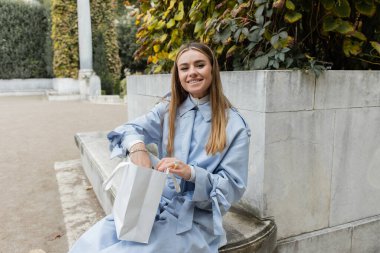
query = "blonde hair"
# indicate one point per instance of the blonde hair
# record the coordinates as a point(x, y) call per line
point(219, 103)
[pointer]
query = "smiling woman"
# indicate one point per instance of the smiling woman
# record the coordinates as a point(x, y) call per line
point(204, 142)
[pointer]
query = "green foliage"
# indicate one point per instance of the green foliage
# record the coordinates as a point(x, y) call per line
point(263, 34)
point(123, 87)
point(100, 63)
point(23, 32)
point(48, 56)
point(66, 49)
point(126, 35)
point(106, 50)
point(65, 38)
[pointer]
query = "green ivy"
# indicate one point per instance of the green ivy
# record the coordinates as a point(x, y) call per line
point(65, 38)
point(126, 34)
point(106, 50)
point(263, 34)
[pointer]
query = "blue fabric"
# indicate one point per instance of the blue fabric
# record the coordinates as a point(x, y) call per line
point(189, 221)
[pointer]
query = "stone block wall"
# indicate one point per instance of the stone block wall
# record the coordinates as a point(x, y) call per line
point(25, 85)
point(315, 145)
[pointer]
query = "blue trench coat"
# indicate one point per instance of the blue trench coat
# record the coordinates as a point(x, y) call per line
point(189, 221)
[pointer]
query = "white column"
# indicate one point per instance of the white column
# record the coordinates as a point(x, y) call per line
point(89, 82)
point(85, 39)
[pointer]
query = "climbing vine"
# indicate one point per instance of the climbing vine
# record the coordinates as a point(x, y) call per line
point(263, 34)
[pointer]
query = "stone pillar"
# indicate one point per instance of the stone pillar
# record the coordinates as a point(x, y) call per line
point(89, 82)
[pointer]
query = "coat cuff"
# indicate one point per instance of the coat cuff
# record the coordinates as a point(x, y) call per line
point(203, 184)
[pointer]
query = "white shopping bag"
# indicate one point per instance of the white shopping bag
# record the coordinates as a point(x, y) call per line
point(137, 200)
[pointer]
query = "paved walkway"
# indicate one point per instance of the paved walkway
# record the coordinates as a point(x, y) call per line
point(34, 134)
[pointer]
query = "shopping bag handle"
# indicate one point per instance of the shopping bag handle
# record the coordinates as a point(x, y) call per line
point(108, 183)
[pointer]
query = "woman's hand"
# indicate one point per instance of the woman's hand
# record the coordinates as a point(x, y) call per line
point(139, 156)
point(175, 166)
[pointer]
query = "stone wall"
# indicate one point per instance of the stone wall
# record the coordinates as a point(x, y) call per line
point(315, 145)
point(25, 86)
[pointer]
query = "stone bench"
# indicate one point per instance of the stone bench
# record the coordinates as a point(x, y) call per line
point(245, 232)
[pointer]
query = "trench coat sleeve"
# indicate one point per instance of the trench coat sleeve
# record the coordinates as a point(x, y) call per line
point(218, 190)
point(147, 128)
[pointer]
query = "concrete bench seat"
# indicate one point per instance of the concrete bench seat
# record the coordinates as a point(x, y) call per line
point(245, 232)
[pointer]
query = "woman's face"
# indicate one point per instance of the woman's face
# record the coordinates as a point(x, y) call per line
point(194, 71)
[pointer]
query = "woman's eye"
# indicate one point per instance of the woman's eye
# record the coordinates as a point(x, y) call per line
point(183, 69)
point(200, 65)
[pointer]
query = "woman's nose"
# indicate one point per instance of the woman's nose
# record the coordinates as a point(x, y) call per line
point(193, 71)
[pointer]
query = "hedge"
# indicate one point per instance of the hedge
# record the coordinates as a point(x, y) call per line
point(106, 51)
point(23, 32)
point(65, 38)
point(106, 61)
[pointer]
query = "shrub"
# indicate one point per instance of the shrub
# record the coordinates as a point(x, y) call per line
point(264, 34)
point(23, 40)
point(100, 63)
point(106, 62)
point(106, 51)
point(65, 38)
point(126, 35)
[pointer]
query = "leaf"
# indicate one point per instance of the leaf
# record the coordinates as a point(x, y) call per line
point(366, 7)
point(251, 46)
point(157, 69)
point(173, 54)
point(351, 47)
point(199, 26)
point(163, 37)
point(345, 27)
point(254, 36)
point(160, 25)
point(290, 5)
point(376, 46)
point(278, 4)
point(260, 20)
point(358, 35)
point(172, 3)
point(261, 62)
point(166, 13)
point(237, 34)
point(327, 4)
point(174, 35)
point(170, 24)
point(292, 17)
point(259, 11)
point(289, 62)
point(156, 48)
point(330, 24)
point(245, 31)
point(342, 9)
point(258, 2)
point(220, 49)
point(274, 40)
point(281, 56)
point(180, 14)
point(223, 37)
point(231, 50)
point(283, 35)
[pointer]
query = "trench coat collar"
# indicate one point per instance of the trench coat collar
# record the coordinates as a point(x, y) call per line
point(190, 103)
